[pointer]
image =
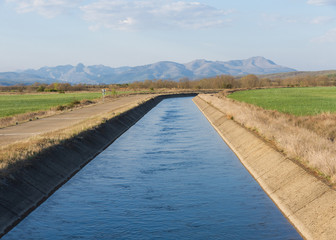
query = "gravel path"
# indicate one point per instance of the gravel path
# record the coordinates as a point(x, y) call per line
point(29, 129)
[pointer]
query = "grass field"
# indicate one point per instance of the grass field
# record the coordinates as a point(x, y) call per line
point(296, 101)
point(16, 104)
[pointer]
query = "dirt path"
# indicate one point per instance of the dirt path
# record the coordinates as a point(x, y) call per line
point(26, 130)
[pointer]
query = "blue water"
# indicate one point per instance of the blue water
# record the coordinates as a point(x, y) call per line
point(169, 177)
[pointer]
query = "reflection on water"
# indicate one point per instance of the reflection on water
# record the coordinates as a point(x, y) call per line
point(169, 177)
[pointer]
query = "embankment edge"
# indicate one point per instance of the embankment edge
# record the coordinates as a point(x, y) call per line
point(303, 199)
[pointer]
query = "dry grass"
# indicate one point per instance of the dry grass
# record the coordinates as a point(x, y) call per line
point(18, 154)
point(309, 140)
point(323, 124)
point(20, 118)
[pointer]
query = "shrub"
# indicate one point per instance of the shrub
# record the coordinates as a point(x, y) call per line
point(74, 103)
point(40, 88)
point(60, 107)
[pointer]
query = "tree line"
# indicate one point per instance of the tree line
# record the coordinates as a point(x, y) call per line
point(247, 81)
point(218, 82)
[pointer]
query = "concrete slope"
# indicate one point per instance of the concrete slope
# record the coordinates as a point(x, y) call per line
point(304, 200)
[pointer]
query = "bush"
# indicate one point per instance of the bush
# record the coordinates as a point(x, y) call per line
point(60, 107)
point(40, 88)
point(74, 103)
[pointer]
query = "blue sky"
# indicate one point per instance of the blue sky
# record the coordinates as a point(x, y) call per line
point(296, 33)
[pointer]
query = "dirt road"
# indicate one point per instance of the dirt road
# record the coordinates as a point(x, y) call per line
point(29, 129)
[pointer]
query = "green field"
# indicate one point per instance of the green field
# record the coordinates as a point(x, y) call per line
point(16, 104)
point(296, 101)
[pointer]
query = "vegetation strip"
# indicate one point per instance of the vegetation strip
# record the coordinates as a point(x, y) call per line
point(306, 201)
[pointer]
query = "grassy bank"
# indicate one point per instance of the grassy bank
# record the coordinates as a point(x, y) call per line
point(296, 101)
point(308, 140)
point(19, 108)
point(18, 104)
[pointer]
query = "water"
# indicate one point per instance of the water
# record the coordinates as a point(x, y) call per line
point(169, 177)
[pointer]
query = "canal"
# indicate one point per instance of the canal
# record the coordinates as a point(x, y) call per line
point(170, 176)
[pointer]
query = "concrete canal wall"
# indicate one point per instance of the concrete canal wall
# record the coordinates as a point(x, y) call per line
point(308, 203)
point(25, 189)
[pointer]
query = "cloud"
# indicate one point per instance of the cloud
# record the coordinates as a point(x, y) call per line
point(322, 2)
point(153, 14)
point(322, 20)
point(46, 8)
point(328, 37)
point(131, 14)
point(271, 19)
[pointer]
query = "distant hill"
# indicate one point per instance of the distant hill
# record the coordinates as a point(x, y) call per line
point(99, 74)
point(13, 78)
point(298, 74)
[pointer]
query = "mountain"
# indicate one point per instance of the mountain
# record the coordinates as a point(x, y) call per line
point(13, 78)
point(99, 74)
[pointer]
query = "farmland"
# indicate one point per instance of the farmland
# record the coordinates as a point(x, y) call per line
point(13, 104)
point(296, 101)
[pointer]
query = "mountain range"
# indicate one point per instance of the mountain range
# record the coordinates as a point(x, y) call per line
point(100, 74)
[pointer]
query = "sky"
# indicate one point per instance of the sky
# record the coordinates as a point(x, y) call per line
point(300, 34)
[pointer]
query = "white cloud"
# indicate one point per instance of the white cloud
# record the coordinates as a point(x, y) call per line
point(46, 8)
point(271, 19)
point(322, 20)
point(328, 37)
point(157, 14)
point(322, 2)
point(131, 14)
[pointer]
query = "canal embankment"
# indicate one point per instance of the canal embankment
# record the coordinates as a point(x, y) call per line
point(170, 176)
point(306, 201)
point(32, 183)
